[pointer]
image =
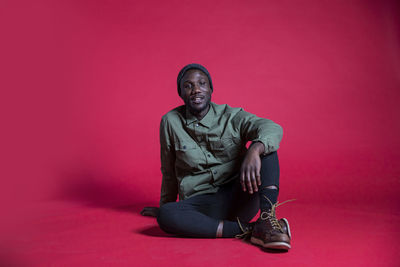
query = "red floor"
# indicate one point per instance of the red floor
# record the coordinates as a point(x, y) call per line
point(74, 235)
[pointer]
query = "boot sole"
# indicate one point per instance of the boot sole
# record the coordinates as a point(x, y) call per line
point(272, 245)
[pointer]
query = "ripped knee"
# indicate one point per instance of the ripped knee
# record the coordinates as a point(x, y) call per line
point(272, 187)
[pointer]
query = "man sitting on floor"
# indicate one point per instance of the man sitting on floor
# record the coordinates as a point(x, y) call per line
point(221, 184)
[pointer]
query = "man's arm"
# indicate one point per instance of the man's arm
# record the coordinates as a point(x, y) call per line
point(265, 136)
point(256, 129)
point(169, 185)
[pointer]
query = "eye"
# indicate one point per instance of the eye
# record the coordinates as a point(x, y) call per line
point(187, 86)
point(202, 83)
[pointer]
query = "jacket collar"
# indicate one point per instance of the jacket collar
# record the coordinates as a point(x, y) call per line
point(206, 121)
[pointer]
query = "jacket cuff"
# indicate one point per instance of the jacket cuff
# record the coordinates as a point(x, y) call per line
point(267, 147)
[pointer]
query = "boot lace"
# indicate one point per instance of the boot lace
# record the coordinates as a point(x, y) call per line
point(246, 232)
point(270, 215)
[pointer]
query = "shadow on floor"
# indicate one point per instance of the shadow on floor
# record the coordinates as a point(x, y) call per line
point(101, 191)
point(153, 231)
point(267, 250)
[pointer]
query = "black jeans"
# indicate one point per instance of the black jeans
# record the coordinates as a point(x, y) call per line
point(200, 215)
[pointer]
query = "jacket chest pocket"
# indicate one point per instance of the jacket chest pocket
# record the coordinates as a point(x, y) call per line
point(226, 148)
point(187, 155)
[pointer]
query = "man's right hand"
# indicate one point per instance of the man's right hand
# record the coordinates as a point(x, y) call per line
point(150, 211)
point(250, 178)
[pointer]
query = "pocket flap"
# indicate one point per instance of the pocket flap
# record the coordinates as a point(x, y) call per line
point(184, 145)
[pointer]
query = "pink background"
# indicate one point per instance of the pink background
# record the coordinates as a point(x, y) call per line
point(85, 83)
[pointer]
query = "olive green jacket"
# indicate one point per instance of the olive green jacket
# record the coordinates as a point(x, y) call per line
point(199, 156)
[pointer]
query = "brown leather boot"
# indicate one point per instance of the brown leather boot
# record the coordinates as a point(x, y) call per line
point(270, 233)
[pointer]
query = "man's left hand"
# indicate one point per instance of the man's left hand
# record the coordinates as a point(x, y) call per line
point(150, 211)
point(250, 177)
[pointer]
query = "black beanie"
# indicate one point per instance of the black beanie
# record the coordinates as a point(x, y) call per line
point(189, 67)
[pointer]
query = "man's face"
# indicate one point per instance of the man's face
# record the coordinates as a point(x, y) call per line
point(195, 91)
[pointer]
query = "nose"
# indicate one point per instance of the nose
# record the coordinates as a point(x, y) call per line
point(196, 88)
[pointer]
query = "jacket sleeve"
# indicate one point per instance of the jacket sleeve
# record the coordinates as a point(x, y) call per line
point(169, 185)
point(256, 129)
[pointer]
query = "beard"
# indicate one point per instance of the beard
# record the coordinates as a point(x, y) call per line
point(199, 105)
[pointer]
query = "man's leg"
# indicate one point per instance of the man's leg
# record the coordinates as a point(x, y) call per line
point(183, 219)
point(200, 216)
point(268, 231)
point(206, 215)
point(244, 205)
point(216, 215)
point(269, 181)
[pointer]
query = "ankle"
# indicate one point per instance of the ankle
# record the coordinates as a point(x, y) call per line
point(268, 198)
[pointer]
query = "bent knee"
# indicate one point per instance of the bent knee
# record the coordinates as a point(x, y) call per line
point(165, 215)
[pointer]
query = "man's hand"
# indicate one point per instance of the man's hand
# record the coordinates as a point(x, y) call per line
point(250, 177)
point(150, 211)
